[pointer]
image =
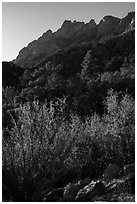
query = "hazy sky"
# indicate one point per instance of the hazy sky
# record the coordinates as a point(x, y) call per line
point(23, 22)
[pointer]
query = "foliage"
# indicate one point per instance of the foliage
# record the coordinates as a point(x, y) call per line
point(44, 144)
point(120, 118)
point(36, 148)
point(10, 100)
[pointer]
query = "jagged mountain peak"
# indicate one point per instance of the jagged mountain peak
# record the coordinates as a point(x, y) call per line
point(66, 23)
point(49, 32)
point(68, 28)
point(107, 26)
point(46, 36)
point(110, 18)
point(91, 23)
point(126, 23)
point(69, 22)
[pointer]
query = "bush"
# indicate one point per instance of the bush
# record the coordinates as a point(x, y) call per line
point(36, 149)
point(120, 120)
point(44, 145)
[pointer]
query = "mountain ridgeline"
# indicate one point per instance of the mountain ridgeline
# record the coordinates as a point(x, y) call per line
point(70, 34)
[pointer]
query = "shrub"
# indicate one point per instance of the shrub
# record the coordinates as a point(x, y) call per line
point(120, 120)
point(44, 145)
point(36, 149)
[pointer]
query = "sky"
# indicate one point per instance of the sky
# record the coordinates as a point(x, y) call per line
point(23, 22)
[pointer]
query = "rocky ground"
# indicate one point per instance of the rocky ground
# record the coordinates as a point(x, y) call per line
point(114, 186)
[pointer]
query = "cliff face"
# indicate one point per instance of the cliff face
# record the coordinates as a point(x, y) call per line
point(34, 52)
point(72, 33)
point(49, 43)
point(106, 27)
point(126, 23)
point(110, 26)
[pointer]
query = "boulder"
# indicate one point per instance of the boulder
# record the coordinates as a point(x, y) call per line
point(128, 169)
point(111, 187)
point(70, 192)
point(123, 185)
point(111, 172)
point(55, 195)
point(84, 182)
point(90, 191)
point(72, 189)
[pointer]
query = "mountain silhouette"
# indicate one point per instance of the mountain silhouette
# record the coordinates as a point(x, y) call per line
point(71, 34)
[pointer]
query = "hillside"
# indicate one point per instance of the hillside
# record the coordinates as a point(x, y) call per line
point(72, 33)
point(69, 115)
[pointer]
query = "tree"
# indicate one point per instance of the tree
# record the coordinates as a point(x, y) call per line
point(75, 85)
point(90, 65)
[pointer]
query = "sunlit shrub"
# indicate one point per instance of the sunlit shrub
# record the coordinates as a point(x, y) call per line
point(44, 144)
point(38, 144)
point(120, 120)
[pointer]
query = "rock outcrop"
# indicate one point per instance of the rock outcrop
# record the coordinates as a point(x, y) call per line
point(90, 191)
point(71, 191)
point(126, 23)
point(68, 29)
